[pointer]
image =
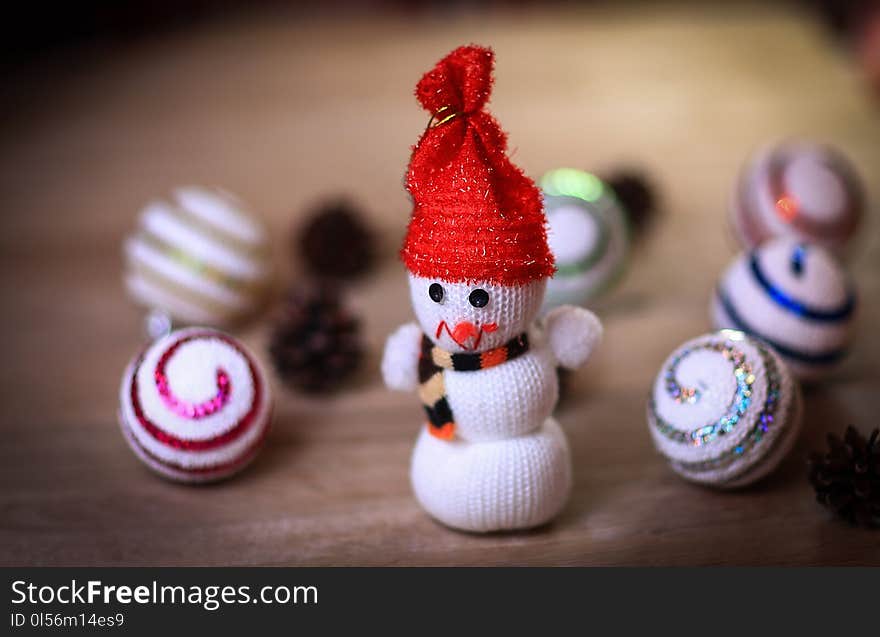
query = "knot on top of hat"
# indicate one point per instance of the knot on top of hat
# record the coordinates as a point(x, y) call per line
point(459, 83)
point(455, 92)
point(476, 216)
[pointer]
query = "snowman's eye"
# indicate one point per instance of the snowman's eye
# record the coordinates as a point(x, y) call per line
point(436, 292)
point(479, 298)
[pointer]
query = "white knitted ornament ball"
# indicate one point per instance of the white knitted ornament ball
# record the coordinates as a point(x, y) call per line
point(800, 190)
point(794, 296)
point(195, 406)
point(588, 235)
point(724, 410)
point(201, 257)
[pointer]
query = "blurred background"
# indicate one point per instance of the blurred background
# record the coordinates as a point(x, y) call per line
point(107, 105)
point(37, 30)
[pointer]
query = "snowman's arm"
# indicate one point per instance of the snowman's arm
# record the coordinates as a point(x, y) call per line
point(573, 333)
point(400, 363)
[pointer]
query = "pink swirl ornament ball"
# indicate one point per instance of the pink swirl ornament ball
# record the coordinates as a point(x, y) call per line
point(195, 406)
point(799, 190)
point(724, 410)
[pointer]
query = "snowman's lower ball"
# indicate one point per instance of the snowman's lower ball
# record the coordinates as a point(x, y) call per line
point(795, 297)
point(195, 406)
point(724, 410)
point(498, 485)
point(800, 190)
point(588, 236)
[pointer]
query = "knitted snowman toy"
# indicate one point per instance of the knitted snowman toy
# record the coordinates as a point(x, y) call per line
point(491, 457)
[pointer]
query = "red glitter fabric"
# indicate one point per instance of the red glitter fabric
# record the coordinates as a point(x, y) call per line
point(477, 217)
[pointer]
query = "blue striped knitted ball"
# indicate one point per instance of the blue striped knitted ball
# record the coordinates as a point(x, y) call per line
point(794, 296)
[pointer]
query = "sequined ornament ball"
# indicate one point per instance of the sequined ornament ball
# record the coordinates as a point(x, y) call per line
point(195, 406)
point(724, 410)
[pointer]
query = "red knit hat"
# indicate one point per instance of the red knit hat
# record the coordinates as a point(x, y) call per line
point(477, 217)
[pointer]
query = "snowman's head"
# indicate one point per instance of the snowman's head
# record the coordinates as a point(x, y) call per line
point(476, 245)
point(474, 316)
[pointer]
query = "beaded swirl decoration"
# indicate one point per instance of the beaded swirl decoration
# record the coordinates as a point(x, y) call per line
point(185, 408)
point(746, 424)
point(195, 406)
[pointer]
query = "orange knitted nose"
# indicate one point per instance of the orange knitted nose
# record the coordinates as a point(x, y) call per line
point(463, 331)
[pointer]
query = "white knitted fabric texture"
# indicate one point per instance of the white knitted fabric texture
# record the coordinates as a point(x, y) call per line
point(400, 362)
point(508, 466)
point(511, 399)
point(734, 458)
point(587, 264)
point(822, 284)
point(192, 377)
point(574, 333)
point(511, 308)
point(200, 257)
point(508, 484)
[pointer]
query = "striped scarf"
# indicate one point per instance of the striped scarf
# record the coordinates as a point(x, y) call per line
point(432, 388)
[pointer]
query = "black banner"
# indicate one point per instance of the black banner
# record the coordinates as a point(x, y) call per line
point(328, 600)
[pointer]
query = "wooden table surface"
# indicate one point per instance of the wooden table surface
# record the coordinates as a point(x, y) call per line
point(285, 112)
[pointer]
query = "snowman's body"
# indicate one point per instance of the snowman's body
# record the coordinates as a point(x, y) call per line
point(508, 465)
point(509, 400)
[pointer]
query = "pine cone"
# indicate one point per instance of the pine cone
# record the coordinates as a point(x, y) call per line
point(847, 477)
point(316, 345)
point(336, 242)
point(841, 17)
point(636, 195)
